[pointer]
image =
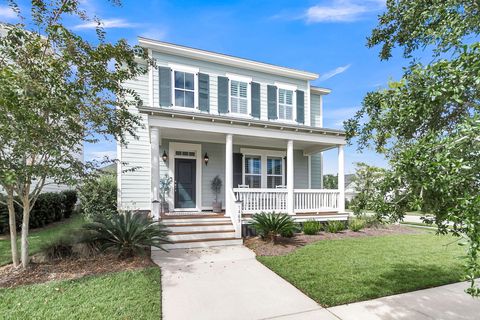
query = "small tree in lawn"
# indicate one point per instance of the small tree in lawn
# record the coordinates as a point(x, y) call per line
point(57, 91)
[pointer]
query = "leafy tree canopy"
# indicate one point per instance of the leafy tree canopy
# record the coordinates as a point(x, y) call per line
point(427, 124)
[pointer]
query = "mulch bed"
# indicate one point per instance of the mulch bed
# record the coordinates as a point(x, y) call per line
point(71, 268)
point(287, 245)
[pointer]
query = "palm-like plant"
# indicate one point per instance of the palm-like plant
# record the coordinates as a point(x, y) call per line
point(127, 233)
point(270, 225)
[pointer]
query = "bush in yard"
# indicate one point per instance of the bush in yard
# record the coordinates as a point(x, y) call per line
point(270, 225)
point(356, 224)
point(311, 227)
point(98, 197)
point(70, 201)
point(76, 243)
point(126, 233)
point(334, 226)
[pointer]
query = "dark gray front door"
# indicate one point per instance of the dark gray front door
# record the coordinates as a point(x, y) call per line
point(185, 183)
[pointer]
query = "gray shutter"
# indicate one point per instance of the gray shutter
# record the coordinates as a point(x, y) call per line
point(165, 90)
point(204, 92)
point(300, 106)
point(237, 169)
point(255, 99)
point(222, 95)
point(272, 102)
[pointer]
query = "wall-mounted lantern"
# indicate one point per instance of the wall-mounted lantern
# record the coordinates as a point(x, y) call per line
point(206, 158)
point(164, 156)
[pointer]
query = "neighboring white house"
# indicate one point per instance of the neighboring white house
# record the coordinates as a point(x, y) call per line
point(256, 125)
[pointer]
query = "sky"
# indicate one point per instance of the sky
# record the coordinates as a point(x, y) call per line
point(327, 37)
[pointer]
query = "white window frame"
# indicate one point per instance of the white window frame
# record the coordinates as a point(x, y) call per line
point(293, 88)
point(263, 154)
point(186, 69)
point(248, 80)
point(282, 174)
point(244, 174)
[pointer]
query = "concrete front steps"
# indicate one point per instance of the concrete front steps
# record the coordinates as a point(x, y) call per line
point(200, 232)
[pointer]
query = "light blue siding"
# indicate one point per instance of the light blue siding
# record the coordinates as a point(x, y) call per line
point(315, 110)
point(316, 167)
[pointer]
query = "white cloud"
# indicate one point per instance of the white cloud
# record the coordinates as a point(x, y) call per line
point(106, 24)
point(332, 73)
point(7, 13)
point(101, 155)
point(342, 10)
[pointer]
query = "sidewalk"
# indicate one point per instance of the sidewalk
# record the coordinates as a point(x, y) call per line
point(448, 302)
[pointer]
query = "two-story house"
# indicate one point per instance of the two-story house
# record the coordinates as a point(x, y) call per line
point(256, 125)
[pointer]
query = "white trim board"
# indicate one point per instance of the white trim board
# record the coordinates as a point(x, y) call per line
point(180, 146)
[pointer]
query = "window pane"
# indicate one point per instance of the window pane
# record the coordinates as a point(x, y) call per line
point(289, 96)
point(234, 88)
point(274, 181)
point(253, 165)
point(281, 111)
point(253, 181)
point(281, 96)
point(179, 98)
point(243, 107)
point(234, 104)
point(189, 99)
point(274, 166)
point(288, 112)
point(179, 79)
point(189, 82)
point(243, 89)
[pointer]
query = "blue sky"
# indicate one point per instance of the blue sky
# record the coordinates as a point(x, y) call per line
point(327, 37)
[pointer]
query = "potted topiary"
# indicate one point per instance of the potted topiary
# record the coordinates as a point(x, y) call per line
point(216, 186)
point(165, 187)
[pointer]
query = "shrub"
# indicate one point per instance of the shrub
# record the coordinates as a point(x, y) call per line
point(356, 224)
point(99, 197)
point(126, 233)
point(75, 243)
point(371, 221)
point(335, 226)
point(311, 227)
point(270, 225)
point(70, 201)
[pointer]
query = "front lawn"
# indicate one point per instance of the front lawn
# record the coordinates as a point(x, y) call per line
point(122, 295)
point(334, 272)
point(38, 237)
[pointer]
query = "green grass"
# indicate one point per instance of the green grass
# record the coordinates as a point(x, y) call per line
point(38, 237)
point(122, 295)
point(334, 272)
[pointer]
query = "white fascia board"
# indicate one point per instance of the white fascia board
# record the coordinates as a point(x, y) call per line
point(165, 47)
point(225, 128)
point(320, 91)
point(286, 86)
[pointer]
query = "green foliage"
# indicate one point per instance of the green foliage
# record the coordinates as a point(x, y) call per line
point(356, 224)
point(49, 207)
point(333, 226)
point(98, 197)
point(270, 225)
point(367, 179)
point(330, 181)
point(121, 295)
point(165, 187)
point(427, 124)
point(216, 186)
point(311, 227)
point(127, 233)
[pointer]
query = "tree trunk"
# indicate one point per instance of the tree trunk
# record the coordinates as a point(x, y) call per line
point(25, 222)
point(13, 228)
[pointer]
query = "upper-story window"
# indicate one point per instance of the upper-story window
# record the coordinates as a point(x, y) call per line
point(285, 104)
point(184, 89)
point(238, 97)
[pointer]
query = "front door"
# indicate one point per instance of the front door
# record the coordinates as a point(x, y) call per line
point(185, 183)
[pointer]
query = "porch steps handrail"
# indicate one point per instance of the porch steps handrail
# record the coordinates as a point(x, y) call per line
point(235, 211)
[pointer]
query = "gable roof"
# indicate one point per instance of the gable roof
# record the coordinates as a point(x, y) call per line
point(199, 54)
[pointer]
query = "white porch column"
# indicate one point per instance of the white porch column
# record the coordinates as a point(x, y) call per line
point(290, 178)
point(228, 173)
point(155, 173)
point(341, 178)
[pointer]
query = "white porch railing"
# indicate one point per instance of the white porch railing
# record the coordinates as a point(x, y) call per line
point(235, 212)
point(313, 200)
point(305, 200)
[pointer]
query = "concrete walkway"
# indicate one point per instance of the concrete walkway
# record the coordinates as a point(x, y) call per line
point(448, 302)
point(228, 283)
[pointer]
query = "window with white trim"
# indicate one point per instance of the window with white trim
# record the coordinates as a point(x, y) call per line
point(184, 88)
point(253, 171)
point(274, 172)
point(238, 97)
point(285, 104)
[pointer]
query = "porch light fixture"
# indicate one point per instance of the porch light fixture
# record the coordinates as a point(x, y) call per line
point(206, 158)
point(164, 156)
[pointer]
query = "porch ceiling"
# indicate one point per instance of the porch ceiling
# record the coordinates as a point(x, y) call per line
point(201, 136)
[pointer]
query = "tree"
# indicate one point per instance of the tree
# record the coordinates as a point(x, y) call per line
point(330, 181)
point(367, 181)
point(427, 124)
point(57, 91)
